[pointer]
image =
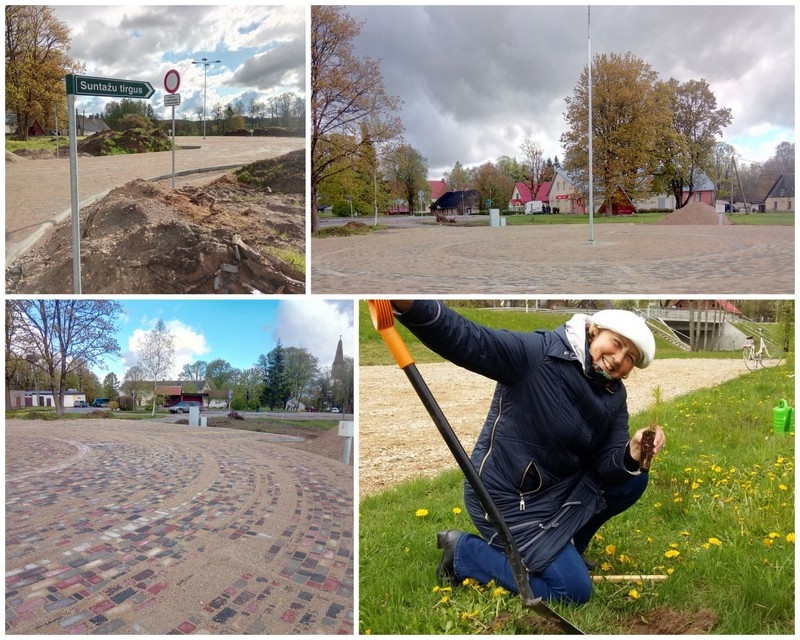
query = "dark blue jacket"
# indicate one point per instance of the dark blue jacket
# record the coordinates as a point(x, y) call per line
point(553, 437)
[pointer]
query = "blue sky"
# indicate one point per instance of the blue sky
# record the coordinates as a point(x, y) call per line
point(237, 330)
point(262, 50)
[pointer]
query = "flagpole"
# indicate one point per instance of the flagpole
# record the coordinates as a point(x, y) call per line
point(591, 177)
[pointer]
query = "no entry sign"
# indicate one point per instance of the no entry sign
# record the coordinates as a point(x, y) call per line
point(172, 81)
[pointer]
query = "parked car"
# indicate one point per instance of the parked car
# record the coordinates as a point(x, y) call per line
point(184, 405)
point(101, 402)
point(335, 410)
point(82, 404)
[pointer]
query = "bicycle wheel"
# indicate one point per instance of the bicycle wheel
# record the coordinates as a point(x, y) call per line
point(749, 357)
point(772, 354)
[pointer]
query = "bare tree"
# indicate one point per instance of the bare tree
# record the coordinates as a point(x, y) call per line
point(533, 153)
point(62, 336)
point(156, 355)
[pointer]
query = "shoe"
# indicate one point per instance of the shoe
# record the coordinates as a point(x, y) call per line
point(447, 540)
point(590, 564)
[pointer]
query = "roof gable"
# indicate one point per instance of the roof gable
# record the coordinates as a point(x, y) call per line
point(783, 187)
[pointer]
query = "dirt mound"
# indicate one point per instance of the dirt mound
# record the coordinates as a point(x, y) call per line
point(223, 237)
point(695, 213)
point(106, 143)
point(663, 621)
point(36, 154)
point(286, 174)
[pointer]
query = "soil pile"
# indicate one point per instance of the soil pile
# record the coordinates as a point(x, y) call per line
point(105, 143)
point(145, 238)
point(695, 213)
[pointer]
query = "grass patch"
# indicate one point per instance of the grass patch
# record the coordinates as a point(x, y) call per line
point(785, 218)
point(289, 255)
point(718, 518)
point(348, 229)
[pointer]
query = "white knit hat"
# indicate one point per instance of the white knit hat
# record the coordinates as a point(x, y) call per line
point(630, 326)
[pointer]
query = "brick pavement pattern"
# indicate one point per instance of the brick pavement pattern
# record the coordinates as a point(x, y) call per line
point(127, 527)
point(38, 191)
point(558, 260)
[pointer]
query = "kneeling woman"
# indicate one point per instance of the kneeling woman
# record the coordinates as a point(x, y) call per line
point(554, 452)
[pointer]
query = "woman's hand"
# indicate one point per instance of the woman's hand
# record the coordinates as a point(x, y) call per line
point(635, 445)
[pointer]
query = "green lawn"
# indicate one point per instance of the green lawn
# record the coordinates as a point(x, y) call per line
point(717, 520)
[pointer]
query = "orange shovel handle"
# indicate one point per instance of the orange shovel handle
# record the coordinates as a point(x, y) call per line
point(383, 320)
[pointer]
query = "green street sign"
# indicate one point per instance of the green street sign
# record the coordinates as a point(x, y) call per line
point(108, 87)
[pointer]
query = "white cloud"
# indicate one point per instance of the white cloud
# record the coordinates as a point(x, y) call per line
point(316, 325)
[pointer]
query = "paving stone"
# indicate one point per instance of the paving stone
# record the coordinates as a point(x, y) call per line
point(129, 550)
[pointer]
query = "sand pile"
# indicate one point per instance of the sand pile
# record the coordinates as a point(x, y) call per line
point(695, 213)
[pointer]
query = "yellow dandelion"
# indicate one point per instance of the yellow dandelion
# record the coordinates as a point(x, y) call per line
point(606, 566)
point(421, 513)
point(673, 545)
point(456, 511)
point(715, 541)
point(783, 487)
point(773, 535)
point(790, 537)
point(672, 553)
point(611, 549)
point(444, 599)
point(633, 594)
point(499, 592)
point(657, 505)
point(670, 571)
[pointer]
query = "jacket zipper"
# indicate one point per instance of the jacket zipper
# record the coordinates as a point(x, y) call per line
point(491, 439)
point(524, 475)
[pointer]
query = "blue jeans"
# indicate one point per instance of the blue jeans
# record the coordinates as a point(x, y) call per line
point(567, 577)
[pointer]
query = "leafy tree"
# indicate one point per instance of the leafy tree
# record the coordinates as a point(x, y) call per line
point(36, 63)
point(511, 167)
point(345, 91)
point(116, 113)
point(111, 386)
point(458, 178)
point(493, 185)
point(301, 368)
point(629, 114)
point(343, 386)
point(156, 355)
point(688, 151)
point(221, 373)
point(248, 385)
point(61, 336)
point(408, 168)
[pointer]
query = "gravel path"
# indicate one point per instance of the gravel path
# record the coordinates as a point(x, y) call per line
point(398, 441)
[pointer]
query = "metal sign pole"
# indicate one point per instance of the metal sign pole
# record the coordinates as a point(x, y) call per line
point(173, 146)
point(73, 188)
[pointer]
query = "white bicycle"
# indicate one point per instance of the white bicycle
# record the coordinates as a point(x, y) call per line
point(768, 353)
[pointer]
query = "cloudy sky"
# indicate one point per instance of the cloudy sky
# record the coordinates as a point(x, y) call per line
point(235, 330)
point(261, 50)
point(476, 80)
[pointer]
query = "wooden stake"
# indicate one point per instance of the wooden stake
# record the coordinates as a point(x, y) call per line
point(628, 578)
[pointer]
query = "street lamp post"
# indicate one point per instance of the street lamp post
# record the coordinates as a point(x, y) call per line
point(205, 62)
